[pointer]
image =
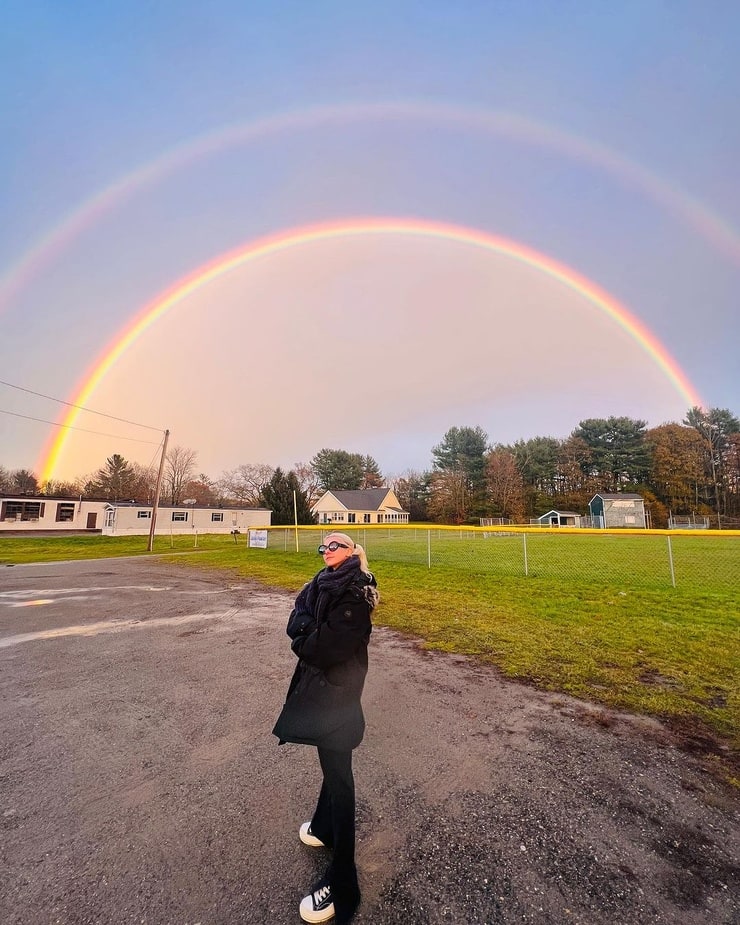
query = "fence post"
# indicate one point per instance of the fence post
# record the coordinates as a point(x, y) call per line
point(429, 548)
point(670, 560)
point(526, 563)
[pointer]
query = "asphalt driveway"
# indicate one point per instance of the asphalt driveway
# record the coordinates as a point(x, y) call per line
point(139, 781)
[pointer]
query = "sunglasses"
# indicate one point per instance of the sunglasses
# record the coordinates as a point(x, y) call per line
point(332, 547)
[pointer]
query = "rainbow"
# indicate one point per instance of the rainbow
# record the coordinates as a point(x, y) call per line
point(357, 227)
point(703, 220)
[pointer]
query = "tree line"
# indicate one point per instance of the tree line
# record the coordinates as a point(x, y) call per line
point(691, 467)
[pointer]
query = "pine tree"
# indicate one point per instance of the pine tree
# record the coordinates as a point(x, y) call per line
point(277, 495)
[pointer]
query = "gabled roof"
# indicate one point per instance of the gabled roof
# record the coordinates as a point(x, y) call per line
point(561, 513)
point(618, 496)
point(362, 499)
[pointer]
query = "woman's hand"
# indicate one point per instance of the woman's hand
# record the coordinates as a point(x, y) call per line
point(300, 623)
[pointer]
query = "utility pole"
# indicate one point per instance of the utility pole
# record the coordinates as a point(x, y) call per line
point(157, 491)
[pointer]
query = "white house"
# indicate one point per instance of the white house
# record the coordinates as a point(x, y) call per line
point(123, 518)
point(362, 506)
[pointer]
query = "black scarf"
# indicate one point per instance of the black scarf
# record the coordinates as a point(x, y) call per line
point(328, 583)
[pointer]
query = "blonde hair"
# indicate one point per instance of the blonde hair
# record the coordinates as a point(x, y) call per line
point(357, 550)
point(362, 556)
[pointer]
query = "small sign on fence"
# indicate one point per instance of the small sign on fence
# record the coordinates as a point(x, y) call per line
point(258, 538)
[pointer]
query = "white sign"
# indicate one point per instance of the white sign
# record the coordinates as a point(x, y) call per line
point(258, 538)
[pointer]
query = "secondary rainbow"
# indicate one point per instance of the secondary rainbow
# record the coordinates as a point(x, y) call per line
point(357, 227)
point(712, 226)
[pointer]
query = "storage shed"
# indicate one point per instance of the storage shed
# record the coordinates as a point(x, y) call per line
point(559, 519)
point(618, 509)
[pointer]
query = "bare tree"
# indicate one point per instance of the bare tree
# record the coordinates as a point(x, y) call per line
point(144, 482)
point(448, 496)
point(202, 489)
point(62, 489)
point(179, 468)
point(245, 483)
point(412, 490)
point(308, 482)
point(504, 484)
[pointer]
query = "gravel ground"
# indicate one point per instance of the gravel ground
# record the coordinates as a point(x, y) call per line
point(139, 781)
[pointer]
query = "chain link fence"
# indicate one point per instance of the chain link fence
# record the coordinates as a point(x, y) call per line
point(629, 559)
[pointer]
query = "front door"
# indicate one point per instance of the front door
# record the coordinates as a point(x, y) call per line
point(92, 519)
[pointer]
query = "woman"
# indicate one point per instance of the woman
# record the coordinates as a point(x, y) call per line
point(330, 628)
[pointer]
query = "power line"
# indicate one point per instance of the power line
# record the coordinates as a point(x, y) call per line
point(80, 407)
point(154, 456)
point(84, 430)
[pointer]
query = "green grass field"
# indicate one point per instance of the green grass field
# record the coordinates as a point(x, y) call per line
point(596, 616)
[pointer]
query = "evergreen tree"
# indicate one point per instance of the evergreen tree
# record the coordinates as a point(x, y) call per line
point(372, 477)
point(24, 482)
point(115, 479)
point(277, 495)
point(461, 455)
point(619, 454)
point(338, 470)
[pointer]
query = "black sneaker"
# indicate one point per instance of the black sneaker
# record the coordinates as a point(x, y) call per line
point(318, 905)
point(308, 838)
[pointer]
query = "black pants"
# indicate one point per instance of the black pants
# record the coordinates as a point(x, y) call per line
point(334, 823)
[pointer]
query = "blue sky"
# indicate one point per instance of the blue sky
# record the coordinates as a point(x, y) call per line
point(91, 92)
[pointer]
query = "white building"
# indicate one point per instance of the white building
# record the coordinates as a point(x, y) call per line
point(33, 513)
point(361, 506)
point(129, 519)
point(123, 518)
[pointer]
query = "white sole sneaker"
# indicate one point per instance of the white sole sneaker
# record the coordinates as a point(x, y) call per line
point(312, 909)
point(304, 833)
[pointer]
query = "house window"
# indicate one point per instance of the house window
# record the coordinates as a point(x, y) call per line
point(217, 517)
point(380, 518)
point(180, 516)
point(629, 518)
point(23, 510)
point(65, 513)
point(350, 518)
point(366, 518)
point(144, 515)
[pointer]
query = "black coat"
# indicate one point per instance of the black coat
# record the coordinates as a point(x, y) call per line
point(330, 628)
